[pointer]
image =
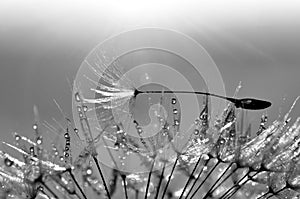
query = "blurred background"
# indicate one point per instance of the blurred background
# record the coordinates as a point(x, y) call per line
point(42, 43)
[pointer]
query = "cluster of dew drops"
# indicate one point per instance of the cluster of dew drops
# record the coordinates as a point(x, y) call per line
point(218, 161)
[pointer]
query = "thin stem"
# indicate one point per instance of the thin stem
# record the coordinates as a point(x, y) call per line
point(102, 177)
point(160, 180)
point(228, 176)
point(213, 186)
point(229, 190)
point(125, 186)
point(170, 176)
point(239, 186)
point(149, 177)
point(48, 188)
point(76, 183)
point(269, 196)
point(262, 196)
point(200, 173)
point(227, 194)
point(273, 194)
point(245, 103)
point(136, 194)
point(205, 179)
point(183, 92)
point(190, 177)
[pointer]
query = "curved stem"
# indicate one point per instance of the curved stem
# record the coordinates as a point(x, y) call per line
point(245, 103)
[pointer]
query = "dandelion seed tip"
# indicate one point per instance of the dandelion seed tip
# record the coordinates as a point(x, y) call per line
point(252, 104)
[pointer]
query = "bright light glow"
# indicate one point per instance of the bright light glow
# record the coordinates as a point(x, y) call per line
point(146, 9)
point(108, 15)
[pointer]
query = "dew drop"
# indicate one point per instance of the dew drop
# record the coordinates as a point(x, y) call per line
point(41, 188)
point(140, 130)
point(89, 171)
point(35, 127)
point(77, 97)
point(196, 132)
point(205, 157)
point(174, 101)
point(39, 140)
point(176, 122)
point(17, 137)
point(80, 115)
point(31, 149)
point(8, 162)
point(222, 141)
point(175, 111)
point(197, 122)
point(85, 108)
point(67, 135)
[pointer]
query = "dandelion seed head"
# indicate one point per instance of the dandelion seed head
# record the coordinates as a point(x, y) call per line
point(106, 116)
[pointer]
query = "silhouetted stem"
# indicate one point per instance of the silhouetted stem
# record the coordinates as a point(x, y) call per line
point(227, 194)
point(125, 186)
point(213, 186)
point(199, 187)
point(170, 176)
point(48, 188)
point(200, 173)
point(102, 176)
point(76, 183)
point(191, 176)
point(245, 103)
point(272, 194)
point(262, 196)
point(160, 181)
point(149, 177)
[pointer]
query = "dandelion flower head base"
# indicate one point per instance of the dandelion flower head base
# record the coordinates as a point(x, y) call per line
point(264, 166)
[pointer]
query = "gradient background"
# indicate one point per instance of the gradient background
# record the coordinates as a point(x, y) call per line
point(43, 42)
